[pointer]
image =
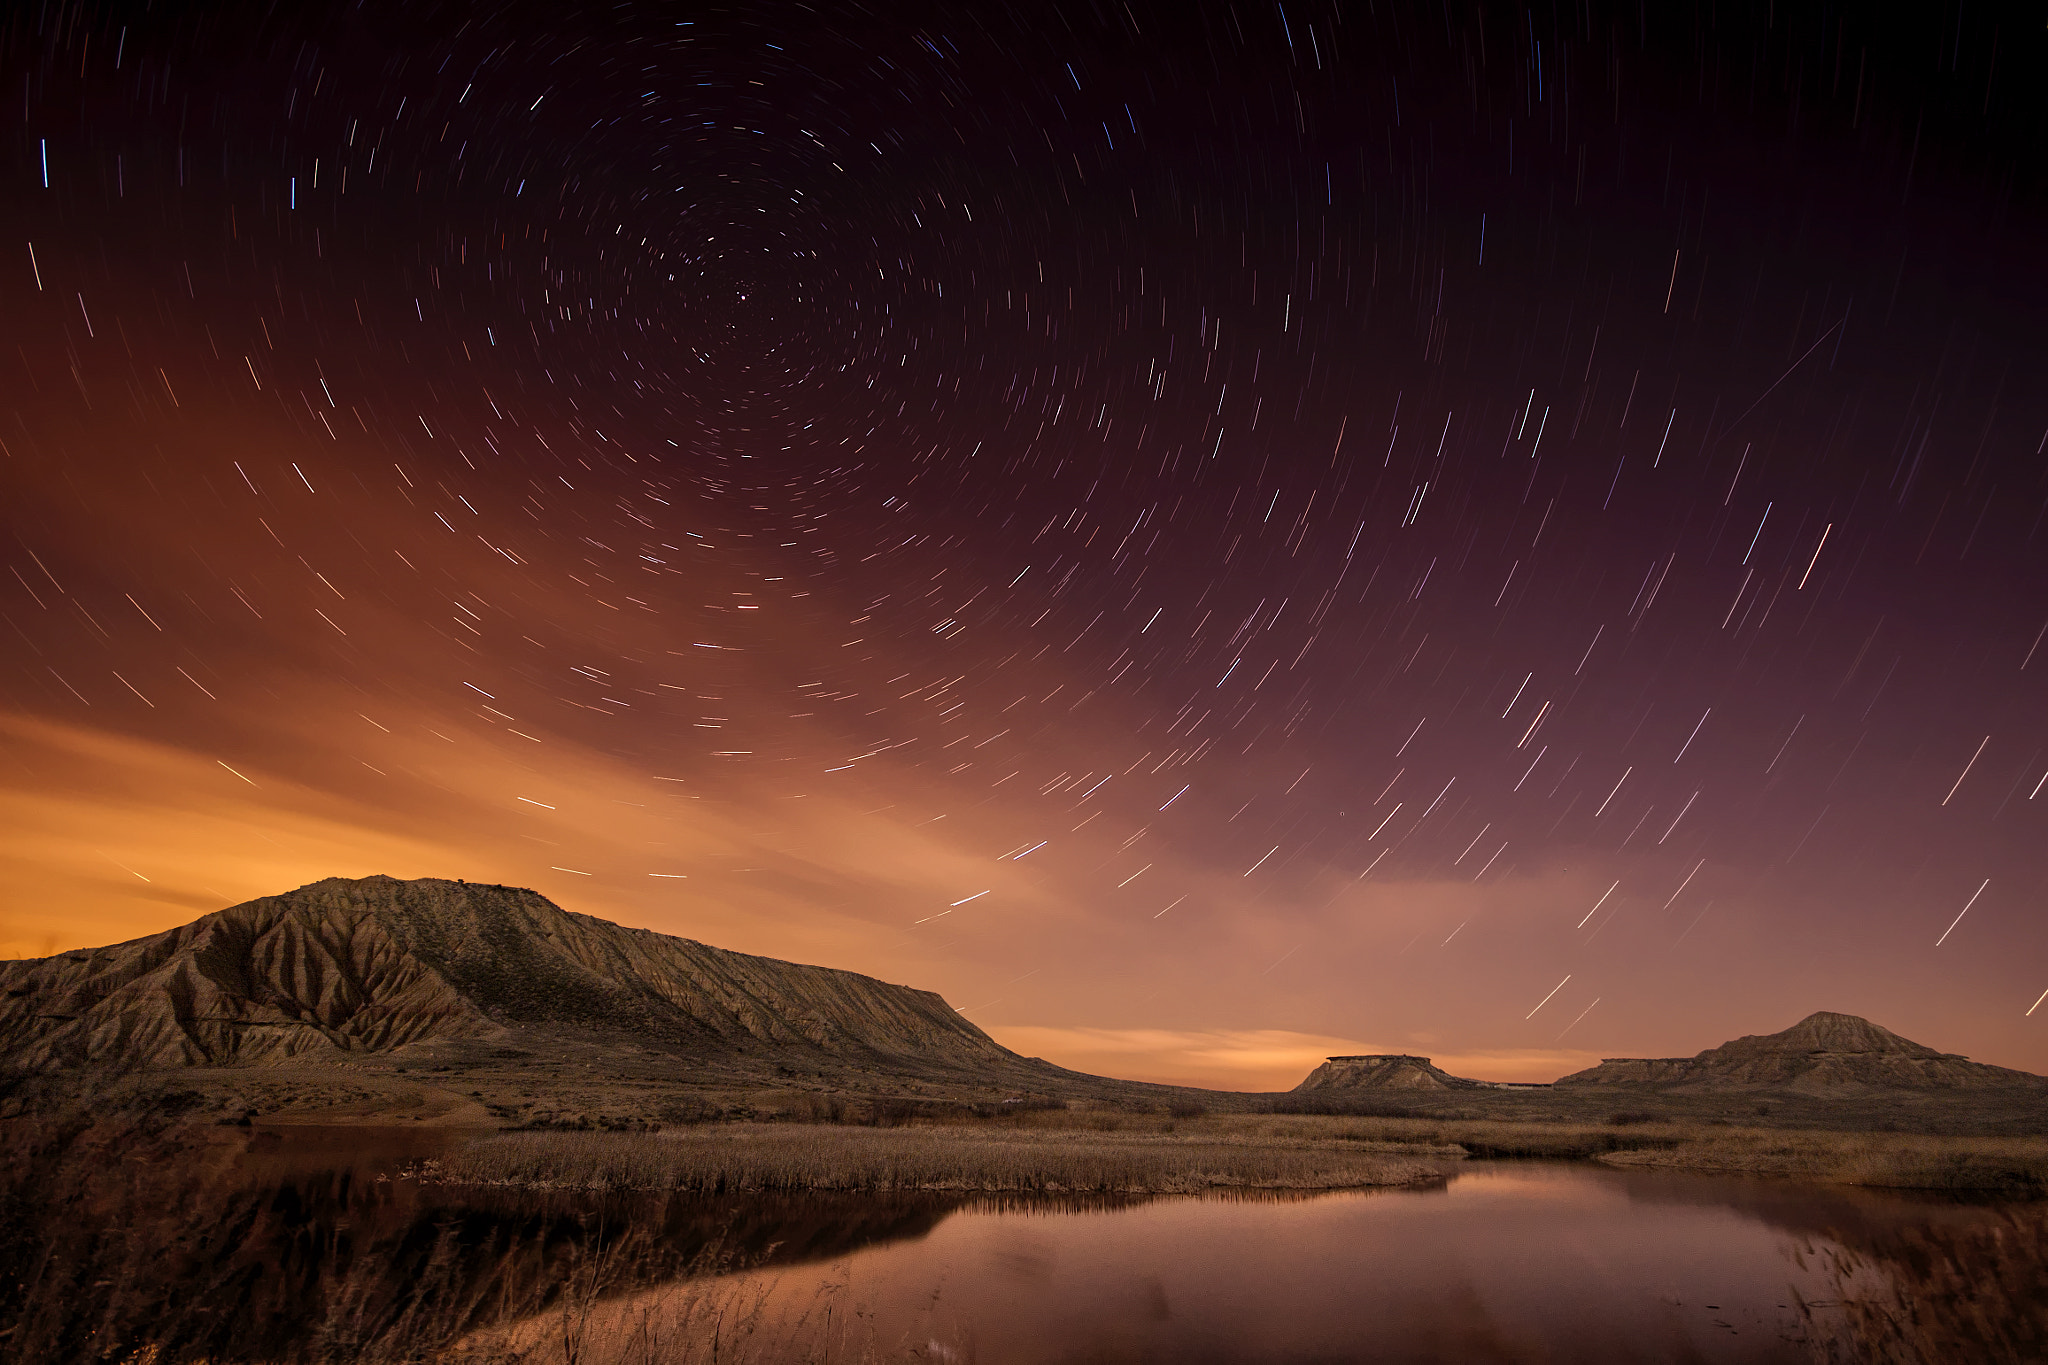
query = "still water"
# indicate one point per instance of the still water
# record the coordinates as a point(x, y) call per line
point(313, 1249)
point(1509, 1261)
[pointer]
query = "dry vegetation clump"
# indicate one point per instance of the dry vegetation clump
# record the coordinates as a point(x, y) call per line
point(2010, 1167)
point(1052, 1150)
point(1478, 1138)
point(703, 1322)
point(150, 1244)
point(2007, 1167)
point(768, 1158)
point(775, 1106)
point(1932, 1294)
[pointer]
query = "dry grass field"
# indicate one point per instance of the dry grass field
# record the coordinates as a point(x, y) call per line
point(740, 1158)
point(1108, 1151)
point(2009, 1167)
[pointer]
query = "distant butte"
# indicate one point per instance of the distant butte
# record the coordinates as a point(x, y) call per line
point(1823, 1055)
point(1395, 1071)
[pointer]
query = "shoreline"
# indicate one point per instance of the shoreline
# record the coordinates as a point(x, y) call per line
point(1128, 1155)
point(773, 1139)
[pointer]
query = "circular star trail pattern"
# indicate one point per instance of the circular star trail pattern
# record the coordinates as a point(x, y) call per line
point(1207, 534)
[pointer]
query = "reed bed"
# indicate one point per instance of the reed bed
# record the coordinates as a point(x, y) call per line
point(1929, 1295)
point(2014, 1167)
point(1140, 1153)
point(772, 1158)
point(181, 1246)
point(1478, 1138)
point(701, 1322)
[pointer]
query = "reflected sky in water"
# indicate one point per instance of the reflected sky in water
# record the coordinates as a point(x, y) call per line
point(341, 1246)
point(1511, 1261)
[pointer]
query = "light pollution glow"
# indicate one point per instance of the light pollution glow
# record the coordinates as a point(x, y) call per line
point(1028, 513)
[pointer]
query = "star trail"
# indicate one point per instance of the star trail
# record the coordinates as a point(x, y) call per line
point(1207, 534)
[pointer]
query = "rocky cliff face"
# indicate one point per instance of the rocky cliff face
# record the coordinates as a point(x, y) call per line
point(1379, 1071)
point(1822, 1052)
point(345, 967)
point(1391, 1071)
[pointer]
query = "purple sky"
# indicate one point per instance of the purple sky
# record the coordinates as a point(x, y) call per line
point(1207, 535)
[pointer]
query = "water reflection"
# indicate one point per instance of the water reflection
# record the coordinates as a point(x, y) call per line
point(225, 1246)
point(314, 1246)
point(1509, 1262)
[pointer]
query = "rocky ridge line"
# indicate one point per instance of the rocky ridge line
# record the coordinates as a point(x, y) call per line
point(345, 967)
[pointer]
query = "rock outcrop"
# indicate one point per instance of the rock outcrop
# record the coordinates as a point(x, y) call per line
point(347, 967)
point(1822, 1053)
point(1393, 1071)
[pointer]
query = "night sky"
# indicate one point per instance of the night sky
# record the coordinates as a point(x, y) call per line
point(1208, 534)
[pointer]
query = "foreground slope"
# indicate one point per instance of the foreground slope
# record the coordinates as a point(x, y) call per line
point(345, 968)
point(1823, 1053)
